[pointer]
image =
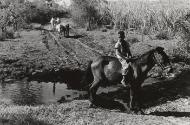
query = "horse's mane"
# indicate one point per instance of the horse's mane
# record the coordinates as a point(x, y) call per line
point(134, 58)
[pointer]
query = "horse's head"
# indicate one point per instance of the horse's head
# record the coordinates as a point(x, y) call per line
point(161, 58)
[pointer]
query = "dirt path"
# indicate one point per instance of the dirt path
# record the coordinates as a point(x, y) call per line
point(80, 51)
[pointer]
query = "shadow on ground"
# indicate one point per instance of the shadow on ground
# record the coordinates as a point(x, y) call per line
point(152, 95)
point(28, 121)
point(169, 90)
point(169, 113)
point(75, 36)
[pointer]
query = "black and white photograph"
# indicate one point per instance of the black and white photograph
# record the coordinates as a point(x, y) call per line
point(94, 62)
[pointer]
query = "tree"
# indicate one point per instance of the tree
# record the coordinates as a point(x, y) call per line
point(4, 14)
point(85, 12)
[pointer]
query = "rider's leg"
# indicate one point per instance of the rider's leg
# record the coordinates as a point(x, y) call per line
point(125, 66)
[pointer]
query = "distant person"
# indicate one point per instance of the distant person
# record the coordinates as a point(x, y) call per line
point(123, 53)
point(58, 21)
point(53, 22)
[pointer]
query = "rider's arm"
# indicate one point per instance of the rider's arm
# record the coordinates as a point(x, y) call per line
point(129, 51)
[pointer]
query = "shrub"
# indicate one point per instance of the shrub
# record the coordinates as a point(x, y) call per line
point(83, 12)
point(25, 13)
point(182, 27)
point(10, 34)
point(40, 13)
point(16, 35)
point(163, 35)
point(180, 54)
point(90, 13)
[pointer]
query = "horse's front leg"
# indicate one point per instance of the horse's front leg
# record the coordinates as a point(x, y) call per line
point(92, 92)
point(68, 31)
point(64, 33)
point(60, 34)
point(135, 101)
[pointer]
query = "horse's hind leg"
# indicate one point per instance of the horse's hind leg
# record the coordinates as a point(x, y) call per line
point(64, 33)
point(135, 101)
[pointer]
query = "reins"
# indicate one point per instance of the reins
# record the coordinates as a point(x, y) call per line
point(157, 62)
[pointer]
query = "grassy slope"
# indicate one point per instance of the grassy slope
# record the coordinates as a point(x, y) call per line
point(78, 112)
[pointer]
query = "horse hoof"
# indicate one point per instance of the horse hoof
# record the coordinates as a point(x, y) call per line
point(92, 106)
point(138, 112)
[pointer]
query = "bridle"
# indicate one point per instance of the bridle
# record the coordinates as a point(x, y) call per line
point(157, 62)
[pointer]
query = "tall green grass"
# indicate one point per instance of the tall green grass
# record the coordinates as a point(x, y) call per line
point(152, 17)
point(162, 19)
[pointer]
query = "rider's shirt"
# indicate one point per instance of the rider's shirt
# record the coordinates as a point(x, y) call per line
point(124, 50)
point(123, 47)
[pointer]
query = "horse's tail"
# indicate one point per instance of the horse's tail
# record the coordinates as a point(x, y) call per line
point(87, 78)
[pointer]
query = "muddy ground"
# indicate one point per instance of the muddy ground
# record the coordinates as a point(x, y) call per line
point(47, 57)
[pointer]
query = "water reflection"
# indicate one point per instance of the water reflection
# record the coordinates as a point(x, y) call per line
point(32, 93)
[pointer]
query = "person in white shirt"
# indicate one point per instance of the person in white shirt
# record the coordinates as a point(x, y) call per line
point(52, 21)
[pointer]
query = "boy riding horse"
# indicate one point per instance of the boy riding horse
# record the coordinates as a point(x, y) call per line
point(123, 53)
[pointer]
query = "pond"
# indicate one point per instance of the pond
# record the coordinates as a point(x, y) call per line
point(33, 93)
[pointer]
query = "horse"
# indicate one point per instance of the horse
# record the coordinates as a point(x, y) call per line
point(58, 21)
point(63, 28)
point(107, 70)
